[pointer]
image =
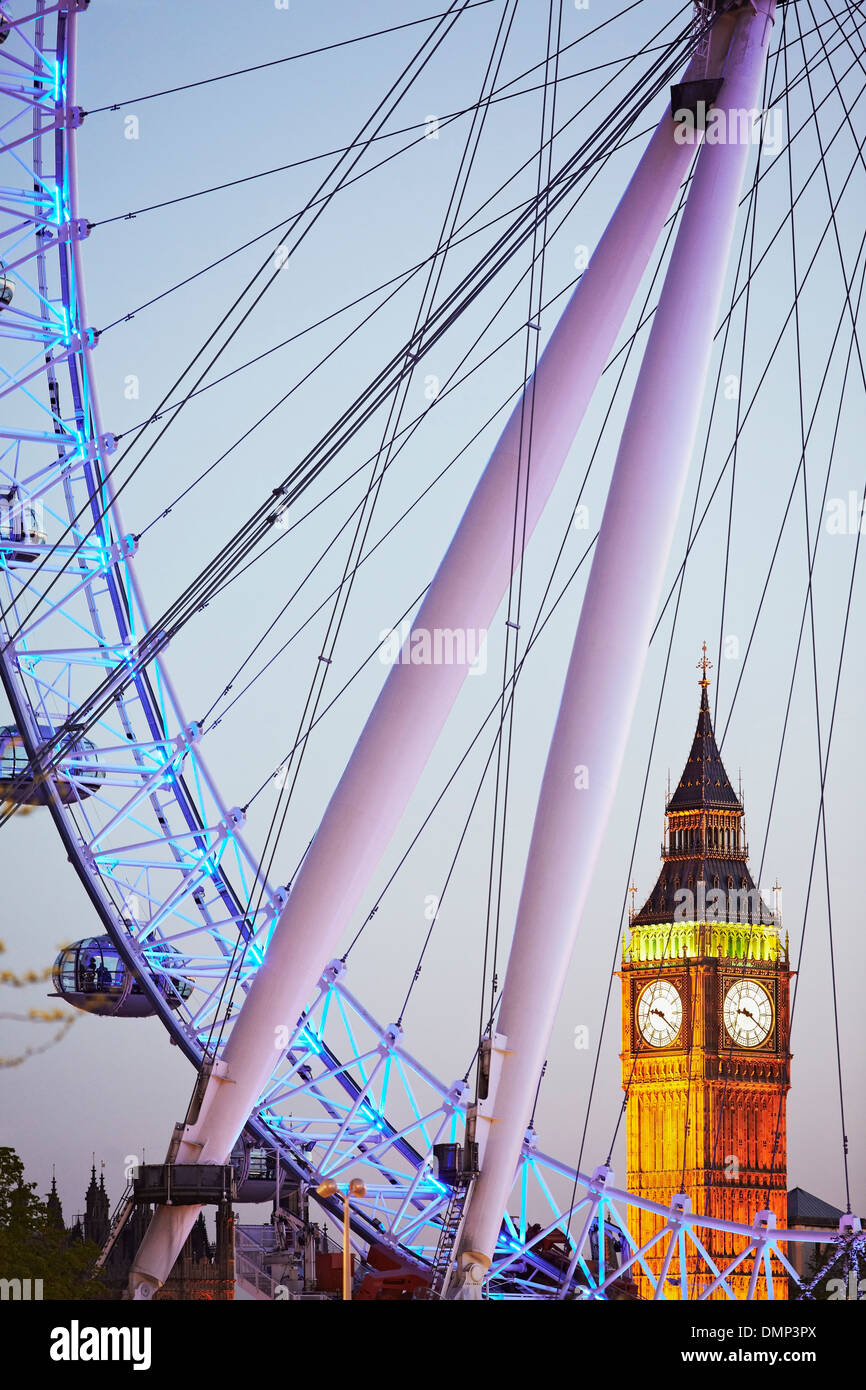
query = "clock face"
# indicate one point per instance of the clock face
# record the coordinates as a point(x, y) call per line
point(660, 1013)
point(748, 1013)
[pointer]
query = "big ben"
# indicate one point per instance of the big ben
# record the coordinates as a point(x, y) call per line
point(705, 1023)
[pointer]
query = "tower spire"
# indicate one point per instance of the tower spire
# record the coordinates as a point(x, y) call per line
point(704, 665)
point(704, 785)
point(705, 834)
point(53, 1206)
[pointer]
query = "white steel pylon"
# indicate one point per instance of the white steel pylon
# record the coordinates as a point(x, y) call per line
point(616, 620)
point(416, 699)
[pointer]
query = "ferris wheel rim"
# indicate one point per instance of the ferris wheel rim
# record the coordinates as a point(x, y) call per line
point(65, 140)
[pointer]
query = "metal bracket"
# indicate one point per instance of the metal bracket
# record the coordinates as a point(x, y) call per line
point(456, 1097)
point(391, 1036)
point(765, 1221)
point(601, 1177)
point(681, 1206)
point(332, 972)
point(76, 230)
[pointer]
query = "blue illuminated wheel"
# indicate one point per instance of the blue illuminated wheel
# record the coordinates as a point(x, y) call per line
point(162, 857)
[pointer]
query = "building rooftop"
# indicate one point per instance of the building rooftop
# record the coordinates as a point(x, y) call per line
point(805, 1209)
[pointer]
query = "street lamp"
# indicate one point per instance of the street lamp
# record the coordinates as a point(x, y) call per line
point(355, 1188)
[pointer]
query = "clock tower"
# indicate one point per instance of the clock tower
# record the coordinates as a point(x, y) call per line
point(705, 1014)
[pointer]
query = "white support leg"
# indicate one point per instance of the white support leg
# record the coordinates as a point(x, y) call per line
point(416, 699)
point(616, 620)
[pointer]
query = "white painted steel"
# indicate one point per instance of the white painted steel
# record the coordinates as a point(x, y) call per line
point(616, 620)
point(416, 699)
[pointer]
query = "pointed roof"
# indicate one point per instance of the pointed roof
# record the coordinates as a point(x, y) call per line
point(704, 783)
point(725, 874)
point(807, 1209)
point(705, 786)
point(53, 1206)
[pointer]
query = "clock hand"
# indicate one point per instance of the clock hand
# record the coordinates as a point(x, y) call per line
point(748, 1014)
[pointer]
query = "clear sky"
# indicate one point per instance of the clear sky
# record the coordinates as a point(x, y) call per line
point(116, 1087)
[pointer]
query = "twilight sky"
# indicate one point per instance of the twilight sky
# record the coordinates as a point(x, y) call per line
point(115, 1087)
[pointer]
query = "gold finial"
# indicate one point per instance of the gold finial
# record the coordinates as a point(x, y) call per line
point(704, 665)
point(632, 890)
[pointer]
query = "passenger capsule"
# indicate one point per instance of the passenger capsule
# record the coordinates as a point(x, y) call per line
point(78, 775)
point(22, 524)
point(91, 975)
point(256, 1171)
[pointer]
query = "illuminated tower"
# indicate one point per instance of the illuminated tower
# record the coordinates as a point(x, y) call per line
point(705, 1017)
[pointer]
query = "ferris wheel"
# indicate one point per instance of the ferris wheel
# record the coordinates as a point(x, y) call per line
point(242, 954)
